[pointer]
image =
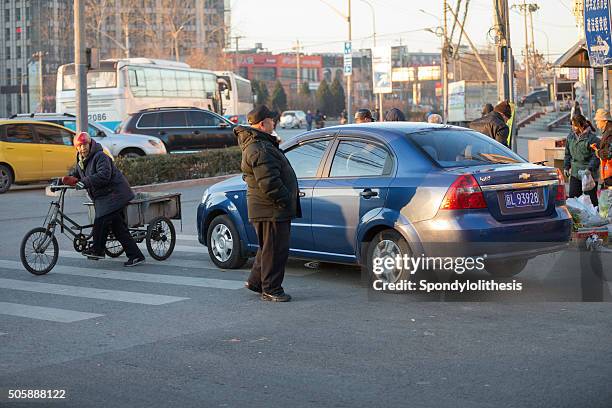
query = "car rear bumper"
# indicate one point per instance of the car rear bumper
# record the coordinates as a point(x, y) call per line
point(474, 233)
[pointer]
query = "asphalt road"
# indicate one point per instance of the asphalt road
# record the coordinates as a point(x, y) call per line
point(182, 333)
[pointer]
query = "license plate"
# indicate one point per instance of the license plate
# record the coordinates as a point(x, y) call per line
point(522, 199)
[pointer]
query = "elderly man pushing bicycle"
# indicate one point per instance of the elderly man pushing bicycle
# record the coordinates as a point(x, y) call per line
point(110, 192)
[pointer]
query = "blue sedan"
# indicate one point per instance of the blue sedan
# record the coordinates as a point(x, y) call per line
point(394, 189)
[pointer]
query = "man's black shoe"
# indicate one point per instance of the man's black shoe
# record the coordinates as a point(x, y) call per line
point(90, 254)
point(134, 261)
point(252, 287)
point(279, 297)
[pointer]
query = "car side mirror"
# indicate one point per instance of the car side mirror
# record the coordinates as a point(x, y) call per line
point(100, 134)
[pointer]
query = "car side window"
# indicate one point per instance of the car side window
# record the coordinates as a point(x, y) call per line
point(147, 120)
point(197, 118)
point(359, 159)
point(19, 134)
point(53, 135)
point(305, 158)
point(173, 119)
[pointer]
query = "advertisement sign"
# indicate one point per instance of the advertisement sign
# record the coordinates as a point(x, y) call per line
point(597, 32)
point(34, 87)
point(382, 70)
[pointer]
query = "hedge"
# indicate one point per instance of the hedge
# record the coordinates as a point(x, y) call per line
point(174, 167)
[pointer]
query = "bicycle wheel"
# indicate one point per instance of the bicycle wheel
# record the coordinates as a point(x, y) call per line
point(113, 247)
point(161, 238)
point(39, 251)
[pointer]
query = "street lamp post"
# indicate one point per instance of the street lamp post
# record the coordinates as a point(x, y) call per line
point(80, 65)
point(380, 96)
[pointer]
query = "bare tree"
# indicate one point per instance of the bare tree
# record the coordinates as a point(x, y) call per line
point(178, 16)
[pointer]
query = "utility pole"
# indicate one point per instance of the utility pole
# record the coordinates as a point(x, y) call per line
point(445, 66)
point(80, 65)
point(533, 8)
point(236, 38)
point(349, 78)
point(297, 61)
point(505, 67)
point(523, 8)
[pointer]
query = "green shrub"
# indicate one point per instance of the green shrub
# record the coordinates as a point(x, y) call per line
point(174, 167)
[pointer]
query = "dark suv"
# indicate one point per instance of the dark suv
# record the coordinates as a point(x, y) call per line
point(182, 128)
point(538, 97)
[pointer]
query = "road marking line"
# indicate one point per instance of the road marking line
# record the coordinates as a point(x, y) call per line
point(187, 238)
point(45, 313)
point(181, 263)
point(141, 277)
point(91, 293)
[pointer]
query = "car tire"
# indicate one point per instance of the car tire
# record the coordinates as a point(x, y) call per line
point(388, 243)
point(131, 153)
point(224, 244)
point(505, 269)
point(6, 178)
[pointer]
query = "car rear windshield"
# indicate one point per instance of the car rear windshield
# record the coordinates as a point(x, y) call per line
point(460, 148)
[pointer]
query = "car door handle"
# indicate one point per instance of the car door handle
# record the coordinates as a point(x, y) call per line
point(302, 194)
point(49, 151)
point(161, 133)
point(196, 132)
point(367, 193)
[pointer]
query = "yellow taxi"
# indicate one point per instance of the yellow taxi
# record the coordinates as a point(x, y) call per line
point(34, 151)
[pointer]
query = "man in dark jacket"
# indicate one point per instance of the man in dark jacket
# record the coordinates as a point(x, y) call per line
point(272, 201)
point(493, 124)
point(110, 192)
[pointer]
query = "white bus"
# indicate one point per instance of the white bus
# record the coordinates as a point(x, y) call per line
point(125, 86)
point(236, 96)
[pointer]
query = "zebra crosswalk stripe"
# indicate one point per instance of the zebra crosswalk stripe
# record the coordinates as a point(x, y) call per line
point(44, 313)
point(91, 293)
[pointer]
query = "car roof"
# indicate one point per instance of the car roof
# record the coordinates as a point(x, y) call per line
point(31, 122)
point(384, 130)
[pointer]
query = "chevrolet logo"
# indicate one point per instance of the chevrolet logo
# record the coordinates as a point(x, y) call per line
point(524, 176)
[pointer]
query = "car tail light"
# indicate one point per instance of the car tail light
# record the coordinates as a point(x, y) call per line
point(560, 197)
point(234, 119)
point(464, 194)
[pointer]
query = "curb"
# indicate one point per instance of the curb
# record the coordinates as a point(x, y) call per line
point(206, 181)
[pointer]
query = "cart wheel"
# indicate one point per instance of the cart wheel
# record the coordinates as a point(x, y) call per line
point(79, 243)
point(161, 238)
point(113, 247)
point(39, 251)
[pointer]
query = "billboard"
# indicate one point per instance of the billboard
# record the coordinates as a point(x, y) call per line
point(381, 70)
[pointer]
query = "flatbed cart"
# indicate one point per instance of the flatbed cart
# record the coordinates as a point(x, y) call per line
point(149, 217)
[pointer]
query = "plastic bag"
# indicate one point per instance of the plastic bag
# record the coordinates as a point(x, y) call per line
point(587, 180)
point(584, 212)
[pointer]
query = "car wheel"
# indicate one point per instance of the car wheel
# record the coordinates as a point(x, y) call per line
point(505, 269)
point(224, 245)
point(6, 178)
point(131, 153)
point(388, 244)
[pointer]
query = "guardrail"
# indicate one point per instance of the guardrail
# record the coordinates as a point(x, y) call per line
point(557, 121)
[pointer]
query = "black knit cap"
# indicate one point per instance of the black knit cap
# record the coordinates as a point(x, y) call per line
point(260, 113)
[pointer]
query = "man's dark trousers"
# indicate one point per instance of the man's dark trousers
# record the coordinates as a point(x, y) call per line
point(116, 222)
point(268, 269)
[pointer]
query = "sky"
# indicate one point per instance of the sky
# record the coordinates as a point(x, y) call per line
point(279, 23)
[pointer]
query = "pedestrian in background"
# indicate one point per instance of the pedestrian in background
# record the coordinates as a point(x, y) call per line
point(319, 119)
point(309, 118)
point(603, 121)
point(272, 201)
point(434, 118)
point(493, 124)
point(363, 115)
point(395, 115)
point(575, 110)
point(579, 155)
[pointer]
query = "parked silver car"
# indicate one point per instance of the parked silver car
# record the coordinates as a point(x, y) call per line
point(119, 144)
point(293, 119)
